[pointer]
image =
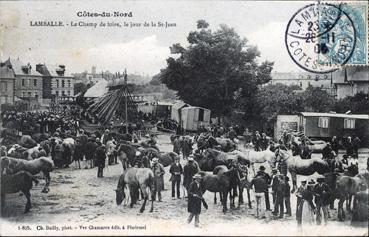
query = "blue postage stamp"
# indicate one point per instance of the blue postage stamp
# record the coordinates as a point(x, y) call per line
point(346, 39)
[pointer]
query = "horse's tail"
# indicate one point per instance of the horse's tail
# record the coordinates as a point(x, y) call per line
point(121, 184)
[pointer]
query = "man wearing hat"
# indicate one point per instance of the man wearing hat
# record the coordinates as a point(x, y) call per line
point(287, 196)
point(194, 200)
point(189, 170)
point(159, 172)
point(299, 192)
point(268, 181)
point(322, 195)
point(90, 149)
point(100, 156)
point(176, 170)
point(260, 187)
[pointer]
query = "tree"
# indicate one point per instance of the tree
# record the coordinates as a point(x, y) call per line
point(358, 104)
point(80, 88)
point(155, 81)
point(273, 100)
point(218, 70)
point(317, 100)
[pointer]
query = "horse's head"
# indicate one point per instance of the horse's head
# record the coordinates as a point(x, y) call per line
point(280, 155)
point(119, 196)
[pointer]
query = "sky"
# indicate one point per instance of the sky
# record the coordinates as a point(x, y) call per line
point(142, 50)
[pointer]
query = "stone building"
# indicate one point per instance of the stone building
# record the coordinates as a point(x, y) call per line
point(351, 81)
point(7, 83)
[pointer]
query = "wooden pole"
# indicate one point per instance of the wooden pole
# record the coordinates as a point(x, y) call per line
point(126, 98)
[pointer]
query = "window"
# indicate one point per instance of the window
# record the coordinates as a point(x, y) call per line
point(23, 94)
point(57, 93)
point(3, 87)
point(57, 83)
point(69, 83)
point(36, 95)
point(23, 82)
point(323, 122)
point(349, 123)
point(63, 83)
point(35, 82)
point(63, 93)
point(29, 94)
point(68, 92)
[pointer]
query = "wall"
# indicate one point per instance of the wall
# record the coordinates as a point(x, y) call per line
point(29, 89)
point(57, 88)
point(6, 90)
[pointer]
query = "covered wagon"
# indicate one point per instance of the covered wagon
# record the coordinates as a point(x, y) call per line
point(192, 118)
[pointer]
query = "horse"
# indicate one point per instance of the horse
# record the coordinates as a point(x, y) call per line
point(222, 183)
point(126, 155)
point(346, 187)
point(13, 183)
point(136, 178)
point(165, 158)
point(220, 169)
point(225, 144)
point(298, 166)
point(27, 141)
point(314, 146)
point(42, 164)
point(39, 137)
point(257, 157)
point(213, 158)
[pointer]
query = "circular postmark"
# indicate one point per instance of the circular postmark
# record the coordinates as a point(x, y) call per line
point(320, 37)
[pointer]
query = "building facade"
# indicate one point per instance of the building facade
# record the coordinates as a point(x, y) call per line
point(304, 80)
point(28, 82)
point(351, 81)
point(57, 82)
point(7, 84)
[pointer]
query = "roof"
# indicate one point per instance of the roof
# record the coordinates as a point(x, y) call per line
point(195, 107)
point(357, 74)
point(17, 67)
point(53, 70)
point(165, 103)
point(6, 72)
point(180, 105)
point(335, 115)
point(97, 90)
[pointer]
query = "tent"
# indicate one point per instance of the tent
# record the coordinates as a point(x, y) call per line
point(114, 103)
point(97, 90)
point(193, 117)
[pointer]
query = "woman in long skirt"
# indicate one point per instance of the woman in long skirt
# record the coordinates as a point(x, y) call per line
point(308, 208)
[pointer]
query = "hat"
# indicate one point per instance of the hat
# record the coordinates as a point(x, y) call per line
point(137, 153)
point(155, 159)
point(261, 167)
point(196, 176)
point(320, 177)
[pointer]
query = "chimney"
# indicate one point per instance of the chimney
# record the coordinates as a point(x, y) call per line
point(39, 68)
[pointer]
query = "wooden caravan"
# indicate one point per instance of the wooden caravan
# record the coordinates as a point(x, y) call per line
point(193, 117)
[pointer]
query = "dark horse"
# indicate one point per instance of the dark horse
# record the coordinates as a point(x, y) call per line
point(126, 155)
point(136, 178)
point(222, 183)
point(225, 144)
point(13, 183)
point(298, 166)
point(42, 164)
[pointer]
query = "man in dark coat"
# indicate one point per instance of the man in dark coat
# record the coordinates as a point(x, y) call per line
point(100, 156)
point(268, 181)
point(176, 170)
point(287, 197)
point(194, 200)
point(349, 147)
point(322, 199)
point(90, 149)
point(335, 144)
point(176, 145)
point(355, 145)
point(189, 170)
point(280, 191)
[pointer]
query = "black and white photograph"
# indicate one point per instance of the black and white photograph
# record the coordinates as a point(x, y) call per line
point(184, 117)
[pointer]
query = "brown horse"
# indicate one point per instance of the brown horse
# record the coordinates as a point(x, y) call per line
point(42, 164)
point(165, 158)
point(213, 158)
point(222, 183)
point(298, 166)
point(225, 144)
point(136, 179)
point(220, 169)
point(21, 181)
point(346, 188)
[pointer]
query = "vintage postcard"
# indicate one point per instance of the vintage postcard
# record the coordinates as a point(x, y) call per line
point(183, 117)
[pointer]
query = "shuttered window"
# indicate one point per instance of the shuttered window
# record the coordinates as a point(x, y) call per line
point(349, 123)
point(323, 122)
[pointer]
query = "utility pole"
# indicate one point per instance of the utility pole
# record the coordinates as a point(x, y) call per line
point(126, 97)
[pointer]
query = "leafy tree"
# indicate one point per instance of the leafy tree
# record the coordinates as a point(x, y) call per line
point(273, 100)
point(317, 100)
point(218, 70)
point(155, 81)
point(80, 87)
point(358, 104)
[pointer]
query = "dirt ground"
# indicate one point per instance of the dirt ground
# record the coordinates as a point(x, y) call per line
point(80, 203)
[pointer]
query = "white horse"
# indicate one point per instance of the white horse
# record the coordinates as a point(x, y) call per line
point(314, 146)
point(257, 157)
